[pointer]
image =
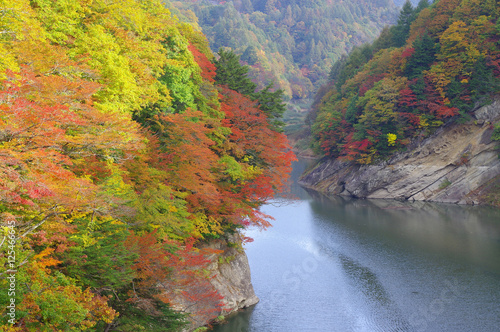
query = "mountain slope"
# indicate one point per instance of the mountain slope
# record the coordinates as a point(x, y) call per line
point(457, 164)
point(293, 43)
point(429, 74)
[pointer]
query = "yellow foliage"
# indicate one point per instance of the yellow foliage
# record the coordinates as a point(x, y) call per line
point(43, 259)
point(441, 77)
point(423, 122)
point(391, 139)
point(17, 23)
point(367, 158)
point(206, 225)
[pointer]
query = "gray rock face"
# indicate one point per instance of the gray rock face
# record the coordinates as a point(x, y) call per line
point(445, 167)
point(231, 276)
point(229, 273)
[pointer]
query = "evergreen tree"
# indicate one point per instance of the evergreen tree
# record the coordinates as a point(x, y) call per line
point(421, 6)
point(232, 74)
point(272, 104)
point(422, 58)
point(352, 112)
point(337, 67)
point(250, 55)
point(385, 40)
point(483, 81)
point(402, 29)
point(355, 61)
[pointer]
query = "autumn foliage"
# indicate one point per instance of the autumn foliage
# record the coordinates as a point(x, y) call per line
point(434, 67)
point(119, 159)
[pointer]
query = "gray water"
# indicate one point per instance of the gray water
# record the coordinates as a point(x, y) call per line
point(373, 265)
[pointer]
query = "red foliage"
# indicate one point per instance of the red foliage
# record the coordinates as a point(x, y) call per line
point(408, 52)
point(333, 136)
point(369, 83)
point(413, 119)
point(407, 98)
point(252, 138)
point(435, 104)
point(495, 63)
point(189, 160)
point(31, 158)
point(172, 272)
point(305, 71)
point(207, 68)
point(443, 111)
point(353, 150)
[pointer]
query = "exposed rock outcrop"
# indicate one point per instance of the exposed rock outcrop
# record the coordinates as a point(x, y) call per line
point(449, 166)
point(229, 273)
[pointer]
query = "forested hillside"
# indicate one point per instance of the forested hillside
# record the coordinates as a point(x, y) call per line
point(119, 154)
point(440, 62)
point(293, 43)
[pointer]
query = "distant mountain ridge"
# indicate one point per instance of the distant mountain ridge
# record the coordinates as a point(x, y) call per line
point(293, 43)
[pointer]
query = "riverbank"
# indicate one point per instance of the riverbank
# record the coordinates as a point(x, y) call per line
point(457, 164)
point(341, 264)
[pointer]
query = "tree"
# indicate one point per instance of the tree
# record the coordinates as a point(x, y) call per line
point(98, 258)
point(264, 157)
point(355, 61)
point(250, 55)
point(271, 103)
point(402, 29)
point(483, 80)
point(171, 271)
point(422, 4)
point(422, 58)
point(384, 40)
point(232, 74)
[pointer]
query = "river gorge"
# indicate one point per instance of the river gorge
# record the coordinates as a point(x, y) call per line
point(341, 264)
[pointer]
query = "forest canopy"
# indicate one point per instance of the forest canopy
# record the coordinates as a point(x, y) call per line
point(291, 43)
point(440, 62)
point(120, 153)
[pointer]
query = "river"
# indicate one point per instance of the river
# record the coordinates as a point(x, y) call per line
point(372, 265)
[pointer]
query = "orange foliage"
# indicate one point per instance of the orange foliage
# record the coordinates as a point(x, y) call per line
point(188, 158)
point(251, 138)
point(172, 271)
point(207, 67)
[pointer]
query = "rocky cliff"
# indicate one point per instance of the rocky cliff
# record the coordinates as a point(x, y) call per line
point(229, 273)
point(454, 165)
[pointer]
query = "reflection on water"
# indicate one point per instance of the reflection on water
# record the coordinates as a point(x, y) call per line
point(338, 264)
point(465, 232)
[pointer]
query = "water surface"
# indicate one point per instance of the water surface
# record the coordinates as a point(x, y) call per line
point(373, 265)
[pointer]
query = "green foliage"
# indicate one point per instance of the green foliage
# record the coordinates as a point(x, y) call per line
point(271, 103)
point(402, 28)
point(201, 329)
point(250, 56)
point(358, 57)
point(496, 133)
point(444, 184)
point(436, 65)
point(99, 259)
point(292, 43)
point(423, 57)
point(226, 260)
point(160, 318)
point(232, 74)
